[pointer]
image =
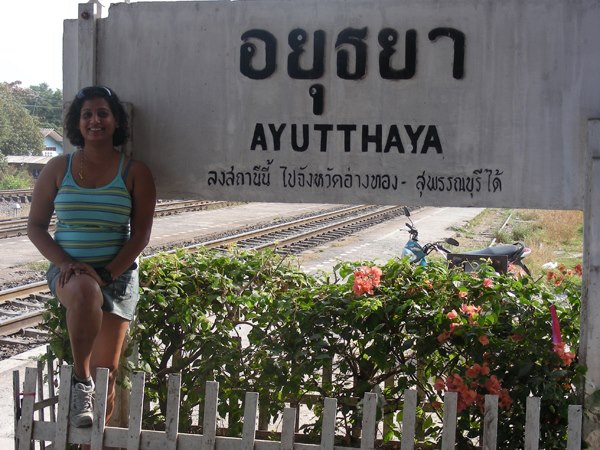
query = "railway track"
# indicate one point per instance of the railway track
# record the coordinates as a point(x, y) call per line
point(18, 227)
point(292, 236)
point(8, 194)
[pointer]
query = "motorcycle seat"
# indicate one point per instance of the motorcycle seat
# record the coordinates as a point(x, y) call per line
point(498, 250)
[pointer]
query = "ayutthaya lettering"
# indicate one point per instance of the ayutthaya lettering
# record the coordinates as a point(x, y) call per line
point(488, 180)
point(358, 138)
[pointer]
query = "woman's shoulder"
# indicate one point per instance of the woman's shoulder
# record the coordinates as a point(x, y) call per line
point(138, 167)
point(58, 162)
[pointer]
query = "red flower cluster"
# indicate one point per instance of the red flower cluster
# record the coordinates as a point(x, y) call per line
point(472, 388)
point(566, 356)
point(469, 310)
point(365, 279)
point(558, 277)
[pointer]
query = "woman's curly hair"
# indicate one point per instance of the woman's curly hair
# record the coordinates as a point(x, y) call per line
point(121, 133)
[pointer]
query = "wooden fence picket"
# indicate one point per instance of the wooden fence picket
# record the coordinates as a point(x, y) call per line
point(27, 409)
point(490, 422)
point(209, 424)
point(328, 427)
point(99, 422)
point(369, 422)
point(172, 416)
point(574, 430)
point(28, 430)
point(449, 430)
point(136, 406)
point(16, 404)
point(288, 428)
point(409, 420)
point(250, 413)
point(532, 423)
point(62, 414)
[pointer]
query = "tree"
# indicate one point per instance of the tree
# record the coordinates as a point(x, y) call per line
point(45, 104)
point(19, 131)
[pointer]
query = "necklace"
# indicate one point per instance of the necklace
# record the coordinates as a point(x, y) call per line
point(81, 162)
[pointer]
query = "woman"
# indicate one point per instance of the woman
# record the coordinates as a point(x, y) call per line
point(104, 204)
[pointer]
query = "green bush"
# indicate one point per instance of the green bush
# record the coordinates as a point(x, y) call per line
point(255, 322)
point(18, 180)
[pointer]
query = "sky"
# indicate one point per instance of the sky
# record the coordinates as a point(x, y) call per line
point(31, 39)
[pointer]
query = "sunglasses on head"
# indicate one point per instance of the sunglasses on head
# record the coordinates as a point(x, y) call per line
point(92, 91)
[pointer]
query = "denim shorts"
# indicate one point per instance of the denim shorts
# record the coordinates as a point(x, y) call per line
point(120, 296)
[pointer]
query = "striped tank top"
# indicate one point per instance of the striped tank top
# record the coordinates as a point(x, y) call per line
point(92, 224)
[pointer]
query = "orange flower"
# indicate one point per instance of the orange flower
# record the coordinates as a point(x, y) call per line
point(454, 326)
point(549, 275)
point(365, 279)
point(470, 310)
point(439, 385)
point(443, 336)
point(452, 315)
point(504, 400)
point(566, 356)
point(485, 369)
point(462, 294)
point(578, 269)
point(476, 370)
point(493, 385)
point(473, 371)
point(484, 340)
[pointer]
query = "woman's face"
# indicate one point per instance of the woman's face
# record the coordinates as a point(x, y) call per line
point(96, 121)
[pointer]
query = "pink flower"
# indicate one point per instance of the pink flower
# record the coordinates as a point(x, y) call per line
point(505, 401)
point(487, 283)
point(484, 340)
point(470, 310)
point(443, 336)
point(452, 315)
point(439, 385)
point(365, 279)
point(493, 385)
point(462, 294)
point(566, 356)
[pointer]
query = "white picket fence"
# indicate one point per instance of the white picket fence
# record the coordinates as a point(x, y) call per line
point(28, 430)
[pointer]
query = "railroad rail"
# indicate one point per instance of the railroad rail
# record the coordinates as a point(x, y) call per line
point(10, 193)
point(18, 227)
point(288, 237)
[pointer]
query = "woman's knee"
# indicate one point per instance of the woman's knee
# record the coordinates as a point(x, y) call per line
point(81, 292)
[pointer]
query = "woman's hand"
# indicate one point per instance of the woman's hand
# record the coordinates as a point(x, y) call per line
point(74, 269)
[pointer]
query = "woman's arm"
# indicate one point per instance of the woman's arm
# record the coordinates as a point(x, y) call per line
point(42, 207)
point(143, 194)
point(40, 214)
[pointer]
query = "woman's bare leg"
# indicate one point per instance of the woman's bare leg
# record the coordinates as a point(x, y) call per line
point(107, 353)
point(82, 298)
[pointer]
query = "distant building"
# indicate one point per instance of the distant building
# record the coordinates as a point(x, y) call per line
point(33, 164)
point(53, 142)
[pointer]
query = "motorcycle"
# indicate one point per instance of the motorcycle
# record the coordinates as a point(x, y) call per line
point(417, 253)
point(504, 257)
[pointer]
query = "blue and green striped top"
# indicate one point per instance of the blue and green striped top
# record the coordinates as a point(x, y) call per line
point(92, 223)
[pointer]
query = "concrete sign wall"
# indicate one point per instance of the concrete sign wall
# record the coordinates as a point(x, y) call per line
point(456, 103)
